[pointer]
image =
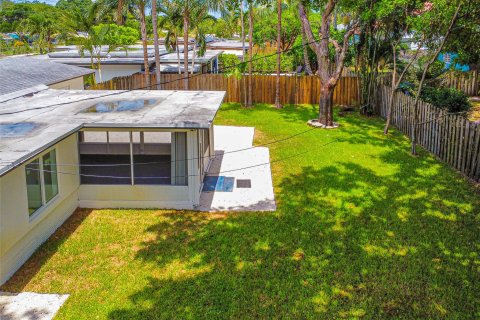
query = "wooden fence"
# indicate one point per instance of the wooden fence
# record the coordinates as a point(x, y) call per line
point(294, 89)
point(452, 138)
point(468, 82)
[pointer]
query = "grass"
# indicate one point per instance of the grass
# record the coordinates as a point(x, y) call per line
point(362, 229)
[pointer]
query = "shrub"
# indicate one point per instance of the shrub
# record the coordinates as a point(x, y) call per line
point(446, 98)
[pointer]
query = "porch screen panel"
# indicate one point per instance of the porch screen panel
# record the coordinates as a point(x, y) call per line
point(105, 157)
point(152, 157)
point(179, 159)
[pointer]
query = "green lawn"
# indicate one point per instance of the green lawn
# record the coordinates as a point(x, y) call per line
point(362, 229)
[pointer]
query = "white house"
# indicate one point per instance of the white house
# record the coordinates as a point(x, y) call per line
point(63, 149)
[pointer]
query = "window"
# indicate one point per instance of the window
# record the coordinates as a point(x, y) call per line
point(42, 181)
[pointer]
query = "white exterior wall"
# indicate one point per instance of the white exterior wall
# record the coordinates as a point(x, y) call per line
point(112, 71)
point(21, 234)
point(72, 84)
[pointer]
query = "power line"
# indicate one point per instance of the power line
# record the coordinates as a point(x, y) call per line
point(185, 176)
point(154, 85)
point(188, 159)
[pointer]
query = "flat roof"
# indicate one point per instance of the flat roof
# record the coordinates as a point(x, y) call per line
point(228, 44)
point(51, 115)
point(18, 73)
point(208, 56)
point(173, 68)
point(75, 60)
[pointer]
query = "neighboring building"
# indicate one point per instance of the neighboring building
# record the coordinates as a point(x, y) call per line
point(208, 63)
point(61, 149)
point(230, 47)
point(20, 73)
point(113, 64)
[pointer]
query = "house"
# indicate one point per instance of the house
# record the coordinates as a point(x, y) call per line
point(63, 149)
point(208, 63)
point(229, 47)
point(20, 73)
point(112, 64)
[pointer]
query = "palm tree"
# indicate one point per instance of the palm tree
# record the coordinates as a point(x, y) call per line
point(171, 19)
point(96, 44)
point(279, 37)
point(140, 10)
point(42, 27)
point(155, 43)
point(250, 50)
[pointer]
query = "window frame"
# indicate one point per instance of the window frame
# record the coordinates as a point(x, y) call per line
point(45, 204)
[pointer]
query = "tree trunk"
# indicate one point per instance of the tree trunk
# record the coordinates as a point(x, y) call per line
point(250, 53)
point(279, 57)
point(243, 54)
point(306, 60)
point(120, 12)
point(193, 56)
point(185, 50)
point(325, 107)
point(424, 74)
point(155, 44)
point(143, 27)
point(178, 57)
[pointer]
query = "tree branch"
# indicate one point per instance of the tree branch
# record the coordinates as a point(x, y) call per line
point(307, 27)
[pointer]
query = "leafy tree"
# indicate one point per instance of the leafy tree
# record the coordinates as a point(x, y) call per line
point(118, 35)
point(42, 27)
point(83, 6)
point(322, 47)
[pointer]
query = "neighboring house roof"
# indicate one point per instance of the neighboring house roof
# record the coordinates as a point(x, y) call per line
point(173, 68)
point(18, 73)
point(207, 57)
point(103, 61)
point(229, 44)
point(34, 122)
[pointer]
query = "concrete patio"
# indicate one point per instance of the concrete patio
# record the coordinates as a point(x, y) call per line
point(251, 164)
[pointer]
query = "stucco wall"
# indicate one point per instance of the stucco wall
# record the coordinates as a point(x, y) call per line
point(72, 84)
point(21, 234)
point(112, 71)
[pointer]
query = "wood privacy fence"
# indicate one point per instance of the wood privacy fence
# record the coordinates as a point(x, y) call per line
point(468, 82)
point(451, 137)
point(293, 89)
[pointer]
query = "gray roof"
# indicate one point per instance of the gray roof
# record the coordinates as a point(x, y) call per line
point(18, 73)
point(56, 114)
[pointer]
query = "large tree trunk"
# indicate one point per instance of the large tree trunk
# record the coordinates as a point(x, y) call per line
point(185, 50)
point(143, 27)
point(155, 44)
point(279, 57)
point(250, 53)
point(325, 107)
point(120, 5)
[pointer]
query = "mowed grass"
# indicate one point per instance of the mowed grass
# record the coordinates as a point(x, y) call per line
point(363, 229)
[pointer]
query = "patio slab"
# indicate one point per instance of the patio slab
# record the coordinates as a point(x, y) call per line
point(252, 164)
point(29, 305)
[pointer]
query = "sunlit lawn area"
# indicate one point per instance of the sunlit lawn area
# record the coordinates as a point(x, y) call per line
point(362, 229)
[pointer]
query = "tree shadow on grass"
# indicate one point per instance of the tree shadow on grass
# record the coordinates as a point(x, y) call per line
point(345, 242)
point(30, 268)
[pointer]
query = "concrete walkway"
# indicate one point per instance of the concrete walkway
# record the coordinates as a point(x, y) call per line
point(30, 306)
point(255, 166)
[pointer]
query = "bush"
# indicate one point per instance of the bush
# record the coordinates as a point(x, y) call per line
point(446, 98)
point(268, 63)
